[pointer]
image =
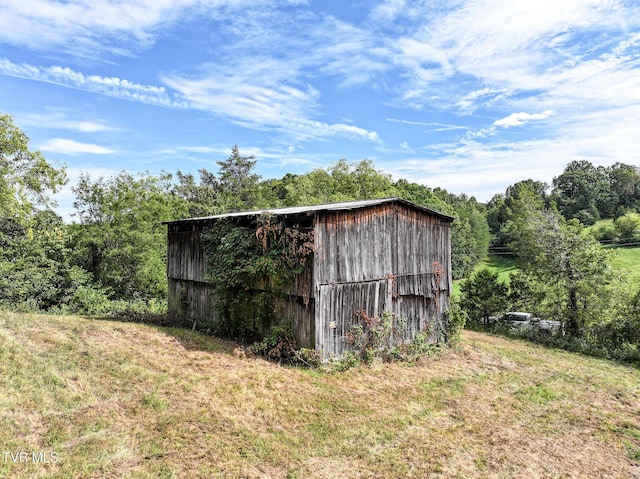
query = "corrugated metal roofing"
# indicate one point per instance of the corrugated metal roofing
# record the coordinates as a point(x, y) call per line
point(301, 210)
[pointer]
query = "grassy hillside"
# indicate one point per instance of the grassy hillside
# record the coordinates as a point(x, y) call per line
point(108, 399)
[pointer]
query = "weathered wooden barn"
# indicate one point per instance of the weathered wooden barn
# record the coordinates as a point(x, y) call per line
point(368, 257)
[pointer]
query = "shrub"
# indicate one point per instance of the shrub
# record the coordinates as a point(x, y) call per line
point(279, 345)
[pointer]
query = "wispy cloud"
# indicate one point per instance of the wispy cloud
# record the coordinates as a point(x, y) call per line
point(433, 126)
point(527, 48)
point(110, 86)
point(89, 27)
point(62, 121)
point(72, 147)
point(262, 94)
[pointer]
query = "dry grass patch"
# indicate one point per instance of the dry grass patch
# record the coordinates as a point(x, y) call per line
point(129, 400)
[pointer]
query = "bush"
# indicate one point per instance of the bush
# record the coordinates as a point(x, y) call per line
point(628, 227)
point(605, 233)
point(279, 346)
point(308, 357)
point(89, 300)
point(457, 318)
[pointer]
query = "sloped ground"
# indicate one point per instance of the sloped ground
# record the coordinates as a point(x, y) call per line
point(107, 399)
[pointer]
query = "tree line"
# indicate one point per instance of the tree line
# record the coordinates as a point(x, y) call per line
point(111, 257)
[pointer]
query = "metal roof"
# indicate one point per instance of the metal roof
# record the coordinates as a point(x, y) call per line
point(302, 210)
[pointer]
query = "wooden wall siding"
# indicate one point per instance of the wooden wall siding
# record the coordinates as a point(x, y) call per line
point(185, 258)
point(301, 317)
point(354, 246)
point(370, 244)
point(337, 305)
point(192, 301)
point(385, 258)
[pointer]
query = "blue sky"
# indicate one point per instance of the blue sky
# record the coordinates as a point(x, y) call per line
point(470, 96)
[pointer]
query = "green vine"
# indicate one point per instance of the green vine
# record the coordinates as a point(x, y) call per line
point(249, 266)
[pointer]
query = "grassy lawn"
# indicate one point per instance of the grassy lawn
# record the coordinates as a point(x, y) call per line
point(502, 264)
point(109, 399)
point(627, 261)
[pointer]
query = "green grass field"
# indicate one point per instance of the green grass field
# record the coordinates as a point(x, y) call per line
point(625, 260)
point(92, 398)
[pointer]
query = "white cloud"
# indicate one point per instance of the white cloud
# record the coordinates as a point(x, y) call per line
point(520, 47)
point(88, 27)
point(110, 86)
point(518, 119)
point(262, 95)
point(57, 120)
point(72, 147)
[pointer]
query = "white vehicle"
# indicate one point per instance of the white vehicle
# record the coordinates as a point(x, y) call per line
point(521, 320)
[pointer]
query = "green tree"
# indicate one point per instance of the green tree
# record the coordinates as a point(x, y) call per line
point(569, 266)
point(583, 192)
point(342, 181)
point(34, 271)
point(202, 198)
point(237, 183)
point(422, 195)
point(37, 272)
point(120, 238)
point(26, 178)
point(627, 228)
point(625, 187)
point(483, 295)
point(502, 209)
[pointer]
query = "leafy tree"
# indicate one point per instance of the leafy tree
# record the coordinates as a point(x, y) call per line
point(313, 188)
point(526, 293)
point(422, 195)
point(342, 181)
point(26, 178)
point(568, 266)
point(202, 198)
point(483, 295)
point(583, 192)
point(120, 238)
point(237, 183)
point(34, 270)
point(627, 227)
point(502, 209)
point(36, 265)
point(624, 181)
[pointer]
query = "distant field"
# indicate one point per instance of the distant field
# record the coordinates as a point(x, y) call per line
point(627, 260)
point(624, 259)
point(96, 398)
point(502, 264)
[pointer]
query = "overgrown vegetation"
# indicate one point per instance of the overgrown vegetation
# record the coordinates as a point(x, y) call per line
point(250, 267)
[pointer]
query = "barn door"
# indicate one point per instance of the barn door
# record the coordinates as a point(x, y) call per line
point(337, 307)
